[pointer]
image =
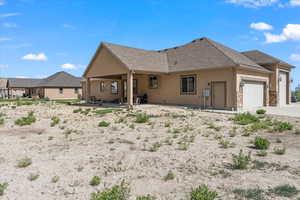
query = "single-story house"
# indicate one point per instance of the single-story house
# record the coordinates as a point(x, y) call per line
point(60, 85)
point(201, 73)
point(3, 88)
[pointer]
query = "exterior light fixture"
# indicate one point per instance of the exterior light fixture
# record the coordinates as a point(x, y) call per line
point(242, 84)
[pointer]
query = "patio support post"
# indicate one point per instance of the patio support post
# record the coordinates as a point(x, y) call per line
point(130, 88)
point(88, 89)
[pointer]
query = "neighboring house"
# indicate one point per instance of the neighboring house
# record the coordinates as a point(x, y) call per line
point(201, 73)
point(60, 85)
point(3, 88)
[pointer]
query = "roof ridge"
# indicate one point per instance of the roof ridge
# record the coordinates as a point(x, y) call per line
point(212, 44)
point(124, 46)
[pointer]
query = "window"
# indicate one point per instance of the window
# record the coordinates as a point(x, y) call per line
point(61, 90)
point(114, 87)
point(102, 86)
point(153, 82)
point(188, 84)
point(76, 90)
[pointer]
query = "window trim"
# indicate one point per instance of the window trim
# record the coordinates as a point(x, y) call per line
point(112, 87)
point(149, 82)
point(195, 84)
point(61, 90)
point(76, 90)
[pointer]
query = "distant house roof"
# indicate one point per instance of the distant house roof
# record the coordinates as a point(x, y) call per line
point(262, 58)
point(199, 54)
point(23, 82)
point(59, 79)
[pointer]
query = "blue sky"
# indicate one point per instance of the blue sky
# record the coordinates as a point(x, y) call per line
point(41, 37)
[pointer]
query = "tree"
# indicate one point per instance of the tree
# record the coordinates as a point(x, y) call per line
point(297, 92)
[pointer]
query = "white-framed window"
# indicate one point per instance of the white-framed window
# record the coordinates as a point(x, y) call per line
point(153, 82)
point(76, 90)
point(61, 90)
point(114, 87)
point(188, 85)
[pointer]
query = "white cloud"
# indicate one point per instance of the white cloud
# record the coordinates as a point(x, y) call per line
point(9, 25)
point(3, 66)
point(261, 26)
point(290, 32)
point(253, 3)
point(22, 77)
point(68, 26)
point(36, 57)
point(295, 2)
point(2, 2)
point(4, 39)
point(68, 66)
point(9, 15)
point(295, 57)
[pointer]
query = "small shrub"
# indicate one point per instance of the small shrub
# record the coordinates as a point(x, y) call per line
point(105, 111)
point(279, 150)
point(203, 193)
point(1, 121)
point(262, 153)
point(117, 192)
point(226, 144)
point(95, 181)
point(103, 124)
point(261, 112)
point(33, 177)
point(55, 179)
point(169, 176)
point(241, 161)
point(261, 143)
point(168, 124)
point(297, 132)
point(285, 190)
point(255, 194)
point(155, 147)
point(245, 118)
point(25, 162)
point(282, 126)
point(211, 125)
point(142, 118)
point(148, 197)
point(3, 187)
point(77, 110)
point(26, 120)
point(54, 121)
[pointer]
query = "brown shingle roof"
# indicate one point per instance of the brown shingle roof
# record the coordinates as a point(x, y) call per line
point(139, 59)
point(59, 79)
point(262, 58)
point(23, 82)
point(204, 53)
point(199, 54)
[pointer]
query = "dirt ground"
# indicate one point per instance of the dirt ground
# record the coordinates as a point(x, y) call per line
point(184, 141)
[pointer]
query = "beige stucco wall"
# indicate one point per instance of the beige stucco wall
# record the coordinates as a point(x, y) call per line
point(105, 64)
point(168, 91)
point(68, 93)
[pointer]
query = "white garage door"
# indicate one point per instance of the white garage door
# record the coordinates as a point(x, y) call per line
point(253, 95)
point(282, 88)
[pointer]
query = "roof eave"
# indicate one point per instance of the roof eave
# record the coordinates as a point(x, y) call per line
point(254, 69)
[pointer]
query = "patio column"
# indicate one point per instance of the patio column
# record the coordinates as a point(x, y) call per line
point(88, 90)
point(130, 88)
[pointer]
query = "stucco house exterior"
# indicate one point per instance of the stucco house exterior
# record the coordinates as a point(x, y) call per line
point(201, 73)
point(60, 85)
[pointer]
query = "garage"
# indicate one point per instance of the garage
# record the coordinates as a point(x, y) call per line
point(282, 88)
point(253, 94)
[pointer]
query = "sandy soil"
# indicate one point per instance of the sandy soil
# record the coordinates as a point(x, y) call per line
point(123, 152)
